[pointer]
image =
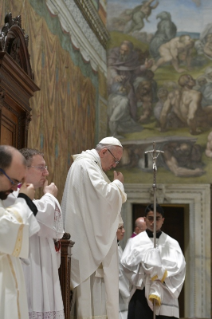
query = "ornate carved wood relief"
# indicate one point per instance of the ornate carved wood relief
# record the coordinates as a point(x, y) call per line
point(16, 83)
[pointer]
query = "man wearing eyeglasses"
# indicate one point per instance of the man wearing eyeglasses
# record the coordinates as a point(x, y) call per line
point(41, 274)
point(92, 205)
point(156, 274)
point(17, 224)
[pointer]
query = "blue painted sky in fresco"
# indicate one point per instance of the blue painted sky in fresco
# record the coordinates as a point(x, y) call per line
point(187, 14)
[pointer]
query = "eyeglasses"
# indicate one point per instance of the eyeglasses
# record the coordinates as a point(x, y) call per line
point(151, 218)
point(14, 183)
point(41, 168)
point(115, 159)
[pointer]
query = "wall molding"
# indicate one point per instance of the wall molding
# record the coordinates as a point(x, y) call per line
point(92, 17)
point(74, 22)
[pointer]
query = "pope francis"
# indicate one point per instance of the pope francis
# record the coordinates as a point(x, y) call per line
point(91, 206)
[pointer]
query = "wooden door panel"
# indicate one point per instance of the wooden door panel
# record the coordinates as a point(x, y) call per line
point(7, 136)
point(9, 127)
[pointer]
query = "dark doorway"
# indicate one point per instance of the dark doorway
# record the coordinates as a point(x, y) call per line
point(173, 226)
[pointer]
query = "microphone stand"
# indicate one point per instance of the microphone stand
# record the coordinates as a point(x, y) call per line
point(154, 153)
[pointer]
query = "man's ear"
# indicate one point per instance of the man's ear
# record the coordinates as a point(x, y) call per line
point(102, 152)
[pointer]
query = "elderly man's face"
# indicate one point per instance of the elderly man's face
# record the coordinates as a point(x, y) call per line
point(109, 157)
point(124, 50)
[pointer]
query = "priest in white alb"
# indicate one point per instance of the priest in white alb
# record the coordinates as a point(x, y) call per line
point(41, 272)
point(92, 205)
point(17, 224)
point(156, 274)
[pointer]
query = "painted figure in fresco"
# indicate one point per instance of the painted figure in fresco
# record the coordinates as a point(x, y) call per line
point(166, 30)
point(183, 107)
point(200, 83)
point(206, 88)
point(208, 151)
point(208, 46)
point(162, 96)
point(143, 91)
point(138, 14)
point(124, 64)
point(182, 157)
point(204, 44)
point(120, 120)
point(131, 20)
point(179, 48)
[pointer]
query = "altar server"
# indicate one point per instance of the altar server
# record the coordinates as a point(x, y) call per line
point(92, 205)
point(157, 274)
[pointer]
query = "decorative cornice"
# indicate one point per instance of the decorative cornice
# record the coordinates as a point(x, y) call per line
point(92, 17)
point(82, 36)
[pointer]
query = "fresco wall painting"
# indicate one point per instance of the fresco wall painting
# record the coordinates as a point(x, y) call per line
point(160, 87)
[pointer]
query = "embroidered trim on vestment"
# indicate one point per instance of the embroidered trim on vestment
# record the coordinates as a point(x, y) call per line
point(16, 285)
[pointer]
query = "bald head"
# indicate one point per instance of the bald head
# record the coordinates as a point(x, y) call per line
point(140, 225)
point(13, 166)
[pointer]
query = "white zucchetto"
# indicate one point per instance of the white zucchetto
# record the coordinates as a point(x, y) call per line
point(110, 140)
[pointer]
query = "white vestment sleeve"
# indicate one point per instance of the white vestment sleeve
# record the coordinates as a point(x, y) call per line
point(174, 262)
point(49, 217)
point(17, 223)
point(137, 251)
point(132, 270)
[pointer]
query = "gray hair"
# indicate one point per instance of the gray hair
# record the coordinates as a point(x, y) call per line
point(100, 146)
point(28, 154)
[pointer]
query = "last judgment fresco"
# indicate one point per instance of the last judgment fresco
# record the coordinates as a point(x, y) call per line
point(160, 87)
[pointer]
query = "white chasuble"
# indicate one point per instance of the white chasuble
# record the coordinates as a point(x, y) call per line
point(92, 206)
point(17, 223)
point(160, 270)
point(41, 271)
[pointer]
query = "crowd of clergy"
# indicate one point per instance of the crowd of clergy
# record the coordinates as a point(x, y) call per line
point(107, 282)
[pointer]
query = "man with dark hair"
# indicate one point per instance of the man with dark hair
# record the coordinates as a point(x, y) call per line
point(92, 206)
point(41, 275)
point(156, 274)
point(17, 224)
point(12, 162)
